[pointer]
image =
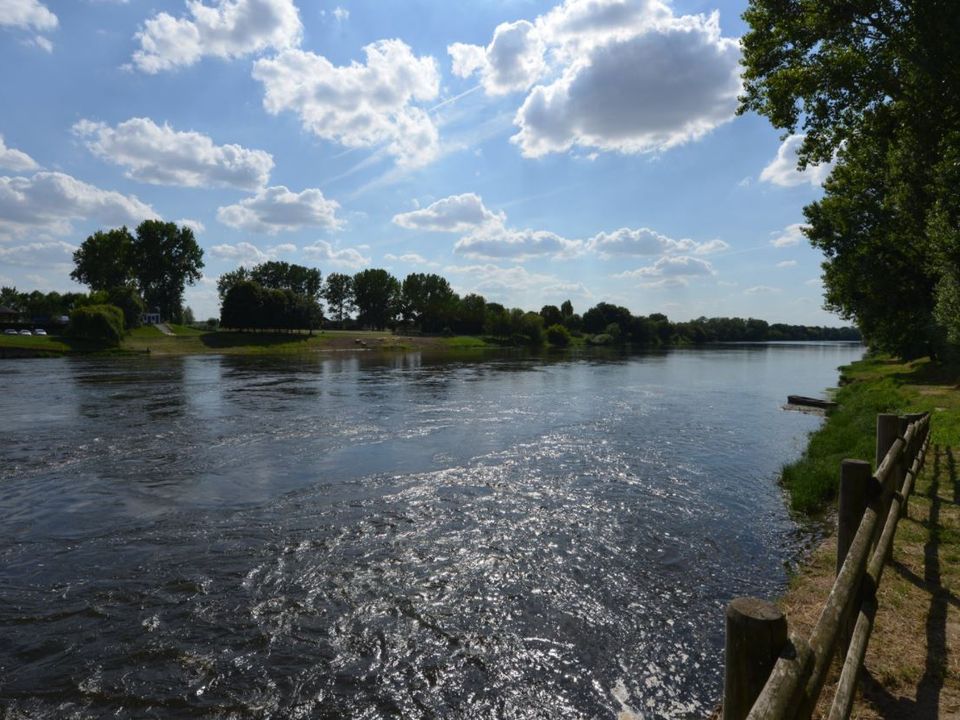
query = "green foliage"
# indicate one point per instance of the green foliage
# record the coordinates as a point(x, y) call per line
point(165, 259)
point(102, 323)
point(558, 335)
point(105, 260)
point(875, 85)
point(338, 293)
point(278, 275)
point(376, 293)
point(531, 328)
point(250, 306)
point(128, 300)
point(428, 301)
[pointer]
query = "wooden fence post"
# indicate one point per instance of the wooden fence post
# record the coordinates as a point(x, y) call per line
point(888, 430)
point(911, 454)
point(855, 489)
point(756, 634)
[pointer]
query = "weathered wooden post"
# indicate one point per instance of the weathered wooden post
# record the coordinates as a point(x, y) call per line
point(911, 454)
point(856, 479)
point(888, 430)
point(756, 635)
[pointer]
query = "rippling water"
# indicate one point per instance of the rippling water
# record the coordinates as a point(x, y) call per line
point(356, 537)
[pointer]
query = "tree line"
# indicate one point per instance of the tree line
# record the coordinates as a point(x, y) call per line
point(281, 296)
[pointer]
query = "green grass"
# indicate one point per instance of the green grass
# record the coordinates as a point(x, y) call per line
point(49, 344)
point(872, 386)
point(466, 342)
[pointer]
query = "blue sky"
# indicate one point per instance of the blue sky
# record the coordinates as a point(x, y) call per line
point(529, 151)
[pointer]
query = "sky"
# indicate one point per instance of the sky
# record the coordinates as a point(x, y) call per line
point(529, 151)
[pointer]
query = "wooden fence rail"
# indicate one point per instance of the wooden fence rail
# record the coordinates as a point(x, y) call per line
point(772, 674)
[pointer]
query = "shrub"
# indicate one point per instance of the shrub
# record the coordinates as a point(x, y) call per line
point(558, 335)
point(103, 323)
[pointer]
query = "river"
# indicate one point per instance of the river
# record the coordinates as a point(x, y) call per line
point(372, 537)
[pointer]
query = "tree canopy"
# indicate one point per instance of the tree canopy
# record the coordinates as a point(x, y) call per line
point(874, 86)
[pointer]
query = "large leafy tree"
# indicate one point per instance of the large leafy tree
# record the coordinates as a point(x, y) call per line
point(338, 293)
point(428, 301)
point(279, 275)
point(166, 258)
point(876, 85)
point(376, 293)
point(104, 260)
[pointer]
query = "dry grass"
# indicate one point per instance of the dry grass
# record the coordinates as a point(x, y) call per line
point(913, 660)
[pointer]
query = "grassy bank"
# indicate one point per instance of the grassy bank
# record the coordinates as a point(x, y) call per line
point(190, 341)
point(869, 387)
point(912, 668)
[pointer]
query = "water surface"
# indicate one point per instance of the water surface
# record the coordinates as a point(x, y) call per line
point(353, 536)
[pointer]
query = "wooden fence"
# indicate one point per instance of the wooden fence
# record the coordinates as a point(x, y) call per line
point(774, 675)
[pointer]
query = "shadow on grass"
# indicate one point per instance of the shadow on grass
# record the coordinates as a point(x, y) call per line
point(222, 340)
point(930, 374)
point(927, 702)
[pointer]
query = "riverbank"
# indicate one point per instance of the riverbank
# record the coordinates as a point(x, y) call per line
point(189, 341)
point(913, 660)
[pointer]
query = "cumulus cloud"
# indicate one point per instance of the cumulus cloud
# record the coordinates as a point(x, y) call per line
point(274, 209)
point(27, 14)
point(15, 159)
point(513, 60)
point(324, 252)
point(49, 201)
point(163, 156)
point(195, 225)
point(644, 241)
point(670, 271)
point(786, 263)
point(790, 236)
point(456, 213)
point(246, 253)
point(621, 75)
point(410, 259)
point(358, 105)
point(783, 171)
point(761, 290)
point(485, 233)
point(37, 254)
point(225, 29)
point(507, 283)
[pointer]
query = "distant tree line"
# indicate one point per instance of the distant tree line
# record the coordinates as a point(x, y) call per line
point(281, 296)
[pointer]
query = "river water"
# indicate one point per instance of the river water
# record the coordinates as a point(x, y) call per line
point(353, 536)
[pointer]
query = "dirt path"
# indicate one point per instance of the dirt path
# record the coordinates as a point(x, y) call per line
point(913, 660)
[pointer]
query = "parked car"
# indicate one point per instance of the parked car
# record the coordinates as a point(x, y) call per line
point(39, 331)
point(9, 331)
point(26, 332)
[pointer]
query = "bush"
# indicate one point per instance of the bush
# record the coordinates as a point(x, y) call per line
point(558, 335)
point(103, 323)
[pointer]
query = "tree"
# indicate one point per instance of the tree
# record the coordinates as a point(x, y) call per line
point(552, 315)
point(242, 307)
point(376, 294)
point(105, 260)
point(278, 275)
point(231, 278)
point(471, 314)
point(166, 258)
point(875, 83)
point(428, 301)
point(338, 293)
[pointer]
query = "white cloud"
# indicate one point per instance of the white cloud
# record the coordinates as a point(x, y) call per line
point(15, 159)
point(164, 156)
point(341, 14)
point(274, 209)
point(37, 254)
point(226, 29)
point(786, 263)
point(512, 284)
point(782, 170)
point(359, 105)
point(670, 271)
point(498, 242)
point(649, 93)
point(456, 213)
point(410, 259)
point(26, 14)
point(195, 225)
point(790, 236)
point(644, 241)
point(49, 201)
point(622, 75)
point(513, 60)
point(761, 290)
point(340, 257)
point(41, 42)
point(246, 253)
